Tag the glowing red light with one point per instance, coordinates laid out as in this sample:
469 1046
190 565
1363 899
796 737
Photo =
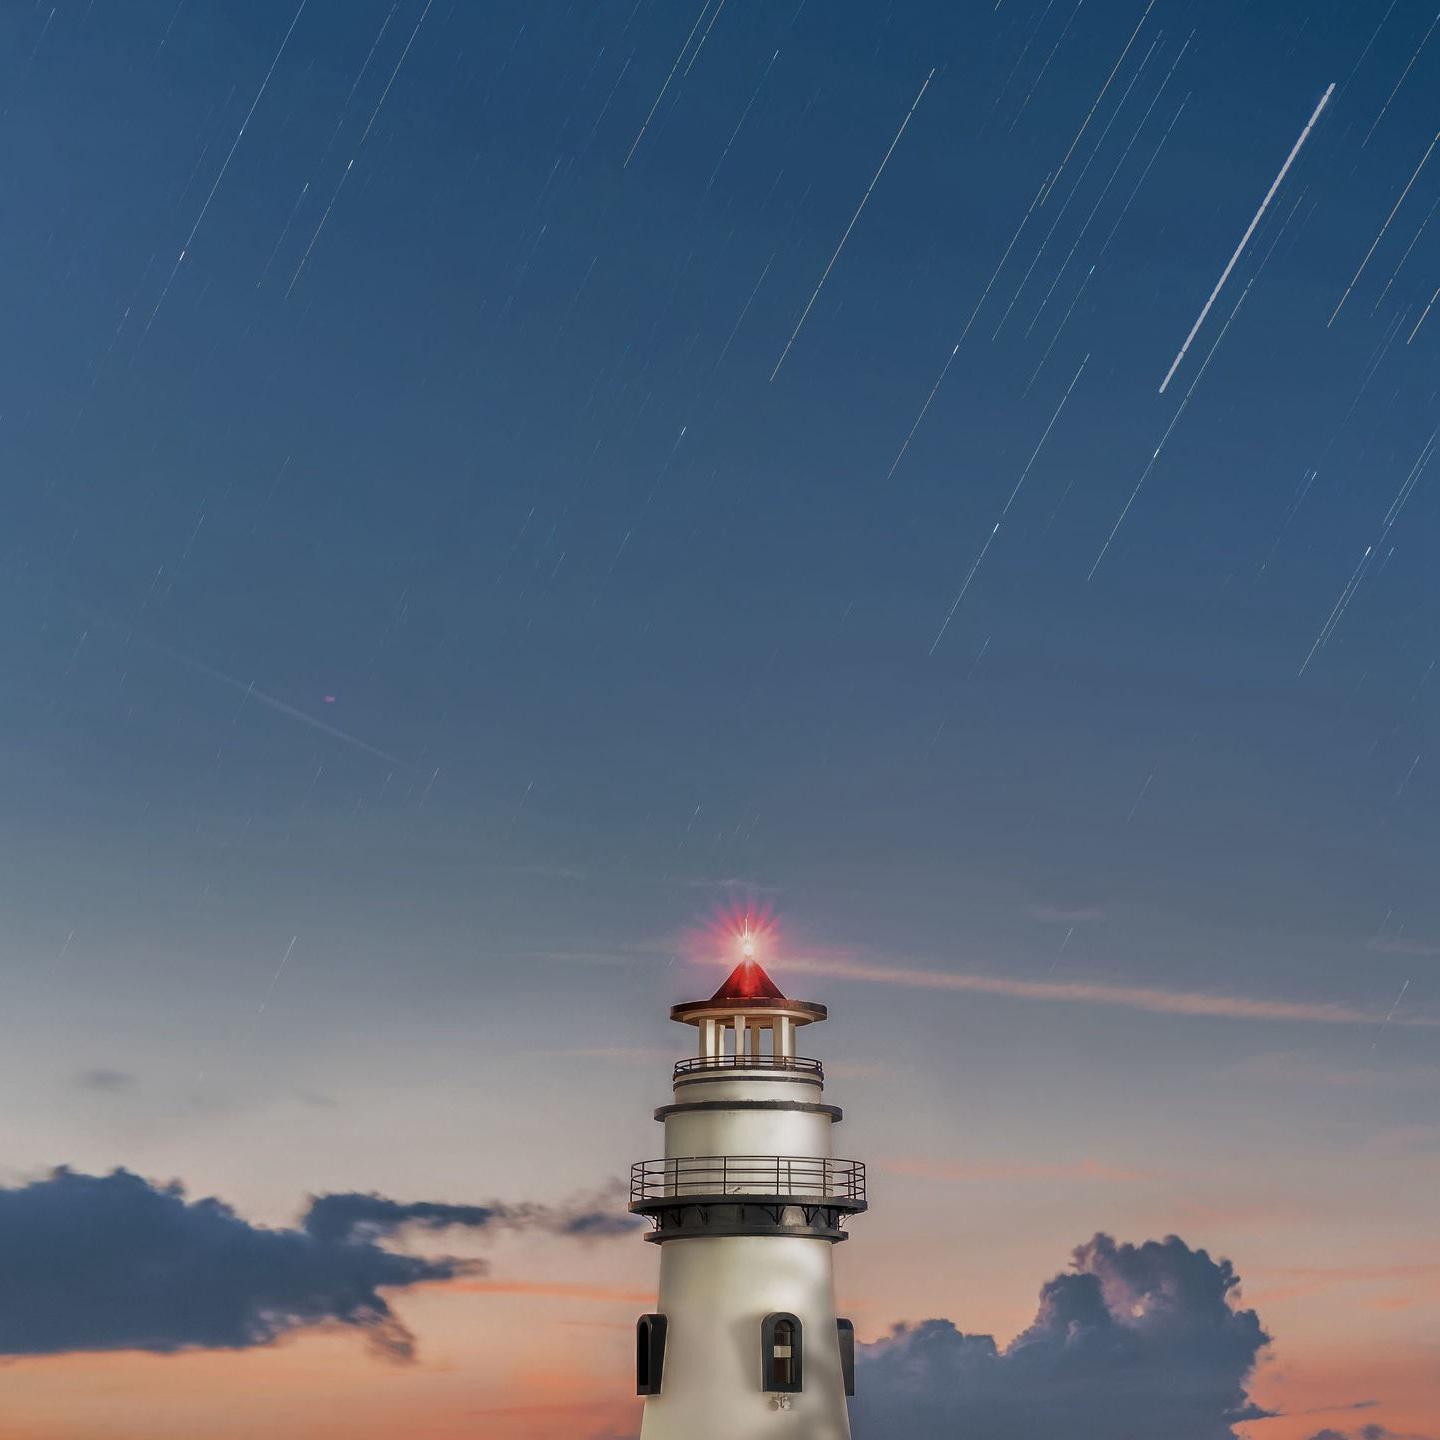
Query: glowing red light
736 932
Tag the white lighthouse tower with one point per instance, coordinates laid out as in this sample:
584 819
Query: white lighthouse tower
747 1207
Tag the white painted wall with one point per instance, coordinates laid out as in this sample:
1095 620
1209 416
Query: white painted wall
747 1132
715 1292
756 1085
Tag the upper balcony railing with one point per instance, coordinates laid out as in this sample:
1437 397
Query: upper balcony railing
791 1177
751 1062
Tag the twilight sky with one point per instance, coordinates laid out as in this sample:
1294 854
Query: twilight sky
478 504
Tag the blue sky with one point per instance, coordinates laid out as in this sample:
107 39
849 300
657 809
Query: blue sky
422 606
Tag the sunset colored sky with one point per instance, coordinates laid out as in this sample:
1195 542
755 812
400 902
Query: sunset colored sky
430 608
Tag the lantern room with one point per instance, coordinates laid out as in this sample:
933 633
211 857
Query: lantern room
748 1022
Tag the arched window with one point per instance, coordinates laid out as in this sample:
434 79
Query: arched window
649 1354
782 1354
847 1353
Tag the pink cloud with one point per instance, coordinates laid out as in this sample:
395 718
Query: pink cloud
1126 997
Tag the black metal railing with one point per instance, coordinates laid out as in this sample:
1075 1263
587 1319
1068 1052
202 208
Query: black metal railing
801 1177
751 1062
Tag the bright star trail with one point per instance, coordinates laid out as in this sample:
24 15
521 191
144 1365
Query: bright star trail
1249 231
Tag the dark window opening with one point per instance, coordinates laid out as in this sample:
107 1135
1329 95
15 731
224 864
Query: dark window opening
649 1354
847 1353
781 1348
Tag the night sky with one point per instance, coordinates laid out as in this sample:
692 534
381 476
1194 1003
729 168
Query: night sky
494 492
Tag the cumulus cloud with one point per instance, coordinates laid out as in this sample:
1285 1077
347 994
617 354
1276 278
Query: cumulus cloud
1134 1342
114 1262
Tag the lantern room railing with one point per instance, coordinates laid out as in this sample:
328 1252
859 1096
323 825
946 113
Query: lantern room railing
751 1062
792 1177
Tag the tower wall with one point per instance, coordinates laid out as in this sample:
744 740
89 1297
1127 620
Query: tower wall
715 1292
747 1132
747 1205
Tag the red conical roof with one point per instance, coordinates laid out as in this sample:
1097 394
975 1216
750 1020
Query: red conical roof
748 982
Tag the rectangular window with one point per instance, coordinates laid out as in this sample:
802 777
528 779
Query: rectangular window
847 1353
649 1354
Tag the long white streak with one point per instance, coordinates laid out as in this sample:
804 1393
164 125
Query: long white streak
869 190
1124 156
1407 487
1084 124
1249 231
696 55
1074 190
360 145
1005 509
1019 61
1360 59
355 84
1395 274
1381 234
740 123
1399 997
252 692
385 94
284 231
1040 73
744 311
1144 175
1064 320
1169 429
168 29
235 145
275 978
1340 605
950 359
1400 82
1430 305
636 145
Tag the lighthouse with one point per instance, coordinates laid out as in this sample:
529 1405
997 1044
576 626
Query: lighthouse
747 1206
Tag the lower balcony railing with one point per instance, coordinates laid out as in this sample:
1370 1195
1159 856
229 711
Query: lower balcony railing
750 1062
807 1178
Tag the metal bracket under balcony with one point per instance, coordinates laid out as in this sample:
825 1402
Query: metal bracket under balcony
698 1195
796 1065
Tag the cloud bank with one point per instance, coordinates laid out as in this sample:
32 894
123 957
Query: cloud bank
1132 1343
114 1262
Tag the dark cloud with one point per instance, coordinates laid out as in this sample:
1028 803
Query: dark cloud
114 1262
102 1079
599 1224
356 1216
364 1219
1134 1342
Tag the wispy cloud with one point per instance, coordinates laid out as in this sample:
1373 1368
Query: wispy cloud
1151 999
1068 914
554 1290
1400 945
1008 1170
105 1080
